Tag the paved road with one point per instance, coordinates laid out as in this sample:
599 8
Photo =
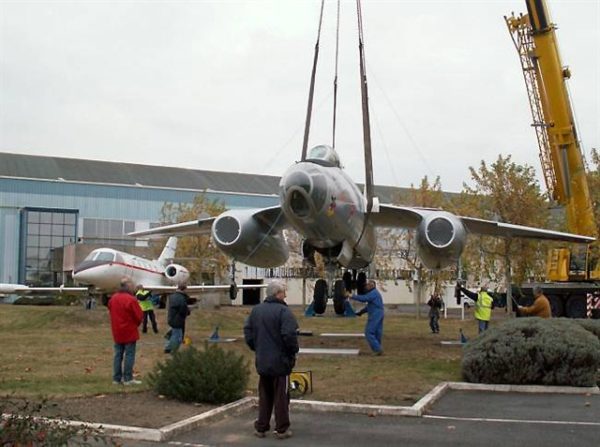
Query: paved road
460 418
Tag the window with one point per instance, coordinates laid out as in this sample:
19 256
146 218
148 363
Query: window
105 256
43 230
108 231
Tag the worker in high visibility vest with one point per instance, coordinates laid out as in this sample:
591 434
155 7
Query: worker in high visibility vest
145 299
484 304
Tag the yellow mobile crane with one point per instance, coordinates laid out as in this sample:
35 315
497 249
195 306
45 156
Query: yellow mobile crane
571 274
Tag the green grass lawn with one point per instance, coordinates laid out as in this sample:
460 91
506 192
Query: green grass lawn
67 351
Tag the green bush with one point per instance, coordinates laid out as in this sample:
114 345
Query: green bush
533 351
590 325
212 375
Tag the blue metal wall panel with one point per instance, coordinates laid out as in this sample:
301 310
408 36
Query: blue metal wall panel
92 201
111 202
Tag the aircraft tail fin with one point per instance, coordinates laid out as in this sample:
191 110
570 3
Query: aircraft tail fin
168 252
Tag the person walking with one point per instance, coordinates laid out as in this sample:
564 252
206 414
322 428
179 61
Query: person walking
484 304
125 317
435 304
177 313
271 332
374 326
145 299
540 307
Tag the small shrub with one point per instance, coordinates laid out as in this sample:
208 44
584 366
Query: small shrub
533 351
212 375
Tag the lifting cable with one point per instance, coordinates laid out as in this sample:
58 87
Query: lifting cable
366 124
335 78
311 91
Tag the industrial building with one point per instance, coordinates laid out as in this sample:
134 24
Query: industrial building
47 203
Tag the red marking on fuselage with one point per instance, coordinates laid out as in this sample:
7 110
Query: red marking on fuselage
135 267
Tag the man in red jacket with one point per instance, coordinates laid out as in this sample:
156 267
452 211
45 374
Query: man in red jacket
125 317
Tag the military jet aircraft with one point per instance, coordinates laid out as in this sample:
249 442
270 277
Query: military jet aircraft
322 203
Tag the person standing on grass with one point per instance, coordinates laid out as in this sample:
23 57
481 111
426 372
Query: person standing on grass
147 306
271 332
178 311
435 304
484 303
125 317
374 326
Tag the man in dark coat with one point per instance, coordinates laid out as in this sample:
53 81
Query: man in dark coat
271 331
178 311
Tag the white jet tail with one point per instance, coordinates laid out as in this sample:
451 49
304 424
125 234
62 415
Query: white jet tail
168 252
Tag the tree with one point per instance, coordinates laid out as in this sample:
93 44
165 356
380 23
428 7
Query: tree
198 254
594 185
507 192
393 241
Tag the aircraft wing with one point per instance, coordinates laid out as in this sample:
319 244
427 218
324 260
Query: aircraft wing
20 289
491 228
271 216
199 289
410 217
196 227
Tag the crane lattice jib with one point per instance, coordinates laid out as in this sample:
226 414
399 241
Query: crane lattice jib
560 151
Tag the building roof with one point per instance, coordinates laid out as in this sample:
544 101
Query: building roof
128 174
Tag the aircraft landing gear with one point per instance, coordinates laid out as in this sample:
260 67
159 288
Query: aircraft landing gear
341 305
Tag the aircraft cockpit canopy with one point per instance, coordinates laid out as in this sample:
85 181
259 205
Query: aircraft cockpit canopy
324 155
102 256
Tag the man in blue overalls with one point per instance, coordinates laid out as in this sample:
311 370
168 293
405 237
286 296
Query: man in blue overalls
374 327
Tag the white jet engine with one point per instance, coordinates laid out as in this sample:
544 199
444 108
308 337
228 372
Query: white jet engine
176 274
441 238
249 239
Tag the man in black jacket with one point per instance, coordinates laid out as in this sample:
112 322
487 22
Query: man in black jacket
177 313
271 331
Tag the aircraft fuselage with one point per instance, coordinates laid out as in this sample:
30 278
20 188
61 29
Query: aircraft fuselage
322 203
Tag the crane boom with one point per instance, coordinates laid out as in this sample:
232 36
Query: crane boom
560 151
562 159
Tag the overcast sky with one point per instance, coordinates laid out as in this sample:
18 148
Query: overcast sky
223 85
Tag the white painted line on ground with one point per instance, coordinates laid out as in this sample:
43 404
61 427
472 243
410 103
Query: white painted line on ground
543 389
221 340
327 351
451 343
510 421
187 444
340 334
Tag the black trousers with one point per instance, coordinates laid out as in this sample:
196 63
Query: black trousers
149 314
273 394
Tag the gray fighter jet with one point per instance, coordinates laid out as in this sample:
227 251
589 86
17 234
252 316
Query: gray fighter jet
322 203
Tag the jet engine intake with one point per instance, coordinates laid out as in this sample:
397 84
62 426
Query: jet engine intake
441 238
177 274
248 240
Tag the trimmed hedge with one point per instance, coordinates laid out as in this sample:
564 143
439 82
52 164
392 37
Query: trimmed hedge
212 375
534 351
592 326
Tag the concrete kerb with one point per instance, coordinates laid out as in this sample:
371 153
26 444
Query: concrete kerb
213 415
340 407
416 410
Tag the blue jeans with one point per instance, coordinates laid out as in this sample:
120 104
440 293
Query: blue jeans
483 325
175 340
123 370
